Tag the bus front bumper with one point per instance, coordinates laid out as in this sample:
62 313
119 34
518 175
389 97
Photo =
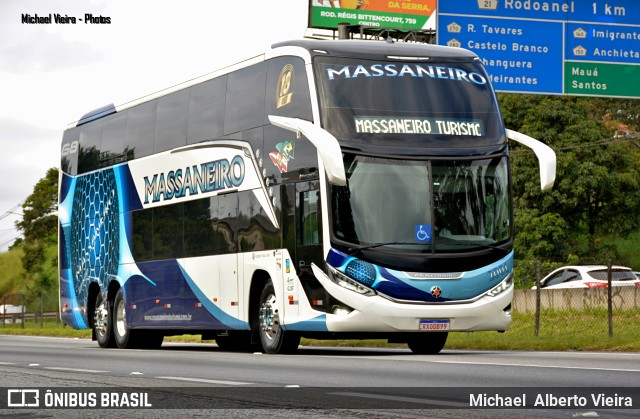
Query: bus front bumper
378 314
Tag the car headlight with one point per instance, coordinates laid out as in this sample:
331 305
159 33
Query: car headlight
346 282
501 287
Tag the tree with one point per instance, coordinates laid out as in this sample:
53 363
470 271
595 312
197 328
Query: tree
39 226
597 191
39 220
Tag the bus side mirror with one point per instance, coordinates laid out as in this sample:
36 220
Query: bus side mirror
326 144
545 154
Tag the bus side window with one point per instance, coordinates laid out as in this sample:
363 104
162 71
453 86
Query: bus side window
310 217
242 113
171 121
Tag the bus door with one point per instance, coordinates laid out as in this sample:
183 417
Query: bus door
308 237
228 286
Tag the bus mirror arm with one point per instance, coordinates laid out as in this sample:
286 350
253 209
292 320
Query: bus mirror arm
326 144
545 154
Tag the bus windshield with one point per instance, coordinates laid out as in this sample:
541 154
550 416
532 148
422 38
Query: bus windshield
411 103
422 205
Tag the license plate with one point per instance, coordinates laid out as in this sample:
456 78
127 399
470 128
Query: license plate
430 325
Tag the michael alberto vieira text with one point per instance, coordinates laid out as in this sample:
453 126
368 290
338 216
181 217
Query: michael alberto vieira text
550 400
66 19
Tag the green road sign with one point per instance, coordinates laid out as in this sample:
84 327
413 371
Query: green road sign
600 79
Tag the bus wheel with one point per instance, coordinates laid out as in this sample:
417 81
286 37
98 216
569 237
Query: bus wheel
427 343
273 338
102 324
123 336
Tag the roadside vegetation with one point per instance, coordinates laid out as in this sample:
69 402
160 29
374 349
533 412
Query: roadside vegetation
590 216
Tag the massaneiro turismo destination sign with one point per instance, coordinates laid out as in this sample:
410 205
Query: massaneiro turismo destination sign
400 14
579 47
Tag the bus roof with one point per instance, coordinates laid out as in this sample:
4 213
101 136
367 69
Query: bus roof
337 48
376 49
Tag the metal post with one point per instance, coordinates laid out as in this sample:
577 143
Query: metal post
41 310
537 298
22 308
609 298
343 31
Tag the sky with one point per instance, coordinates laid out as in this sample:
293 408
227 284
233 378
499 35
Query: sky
52 74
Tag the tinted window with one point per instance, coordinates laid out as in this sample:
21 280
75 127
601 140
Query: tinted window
310 218
287 157
168 231
403 101
69 151
226 226
89 150
245 99
200 217
142 235
112 150
171 121
255 229
570 276
554 280
616 275
141 128
288 89
206 110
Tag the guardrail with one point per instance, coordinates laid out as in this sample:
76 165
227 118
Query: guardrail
14 318
20 309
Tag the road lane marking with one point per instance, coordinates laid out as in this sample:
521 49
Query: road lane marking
73 369
401 399
7 363
202 380
498 364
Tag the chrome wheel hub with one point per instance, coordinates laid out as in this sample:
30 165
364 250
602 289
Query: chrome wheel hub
121 319
101 319
269 320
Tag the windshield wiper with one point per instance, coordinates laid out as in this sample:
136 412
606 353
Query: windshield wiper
468 245
353 249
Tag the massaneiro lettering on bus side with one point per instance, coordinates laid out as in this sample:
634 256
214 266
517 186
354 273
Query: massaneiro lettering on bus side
209 177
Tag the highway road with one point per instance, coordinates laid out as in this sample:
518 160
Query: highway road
338 382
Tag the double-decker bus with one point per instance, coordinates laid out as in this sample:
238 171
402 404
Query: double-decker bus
326 189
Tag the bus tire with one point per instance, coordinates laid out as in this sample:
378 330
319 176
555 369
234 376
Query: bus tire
273 338
124 336
102 323
429 343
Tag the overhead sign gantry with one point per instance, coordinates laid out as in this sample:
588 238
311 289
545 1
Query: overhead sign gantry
551 47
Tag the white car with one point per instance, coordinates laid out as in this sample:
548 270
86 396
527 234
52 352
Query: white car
594 276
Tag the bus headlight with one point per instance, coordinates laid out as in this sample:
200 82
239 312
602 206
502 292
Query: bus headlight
501 287
345 282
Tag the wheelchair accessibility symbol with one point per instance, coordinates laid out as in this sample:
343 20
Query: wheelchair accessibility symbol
423 233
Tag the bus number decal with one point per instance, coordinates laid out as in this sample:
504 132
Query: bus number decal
70 148
283 94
